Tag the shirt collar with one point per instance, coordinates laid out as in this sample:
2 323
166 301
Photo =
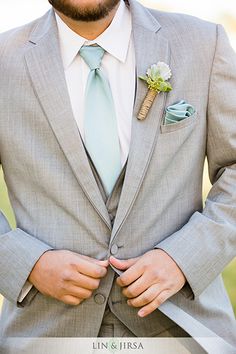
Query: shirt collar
115 39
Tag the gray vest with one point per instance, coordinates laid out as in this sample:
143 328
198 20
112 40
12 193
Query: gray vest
112 200
152 325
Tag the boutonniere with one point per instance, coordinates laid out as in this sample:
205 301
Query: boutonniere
156 79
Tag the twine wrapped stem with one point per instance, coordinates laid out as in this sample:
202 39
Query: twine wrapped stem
147 103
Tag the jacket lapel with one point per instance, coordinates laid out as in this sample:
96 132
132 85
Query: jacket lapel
45 68
150 47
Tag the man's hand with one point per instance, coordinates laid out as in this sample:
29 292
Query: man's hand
149 280
67 276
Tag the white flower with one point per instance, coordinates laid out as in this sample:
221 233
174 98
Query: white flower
156 79
160 69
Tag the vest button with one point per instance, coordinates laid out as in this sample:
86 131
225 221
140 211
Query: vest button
99 299
114 249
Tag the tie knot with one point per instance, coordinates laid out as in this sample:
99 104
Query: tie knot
92 55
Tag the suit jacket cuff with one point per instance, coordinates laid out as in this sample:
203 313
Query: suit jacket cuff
19 252
186 290
193 258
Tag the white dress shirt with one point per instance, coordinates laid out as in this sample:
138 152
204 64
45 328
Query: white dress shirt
118 64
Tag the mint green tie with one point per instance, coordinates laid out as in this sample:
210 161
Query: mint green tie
100 124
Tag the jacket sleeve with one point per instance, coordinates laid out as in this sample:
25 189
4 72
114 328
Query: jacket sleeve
19 251
207 242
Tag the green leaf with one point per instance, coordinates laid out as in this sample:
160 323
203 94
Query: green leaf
156 82
143 78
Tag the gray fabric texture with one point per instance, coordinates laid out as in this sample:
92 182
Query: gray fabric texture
58 203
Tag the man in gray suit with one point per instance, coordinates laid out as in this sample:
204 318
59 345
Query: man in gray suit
117 243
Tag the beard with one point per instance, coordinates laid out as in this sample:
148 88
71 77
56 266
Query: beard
78 12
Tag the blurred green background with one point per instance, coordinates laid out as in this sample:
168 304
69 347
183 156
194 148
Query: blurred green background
229 273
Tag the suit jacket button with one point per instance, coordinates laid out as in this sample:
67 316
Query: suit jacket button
114 249
99 299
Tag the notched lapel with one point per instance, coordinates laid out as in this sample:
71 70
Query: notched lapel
150 47
43 60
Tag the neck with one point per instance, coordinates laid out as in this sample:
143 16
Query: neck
89 30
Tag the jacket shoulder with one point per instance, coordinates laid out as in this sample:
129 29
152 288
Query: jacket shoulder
13 39
185 26
189 36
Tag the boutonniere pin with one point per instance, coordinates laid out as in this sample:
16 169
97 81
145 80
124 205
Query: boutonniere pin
156 79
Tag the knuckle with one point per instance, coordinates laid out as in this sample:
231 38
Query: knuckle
85 294
66 274
55 291
62 298
146 298
73 265
160 300
61 284
75 302
125 293
162 276
89 293
133 303
71 301
145 265
96 283
99 272
155 273
129 293
63 287
158 303
171 284
104 271
152 306
59 296
122 281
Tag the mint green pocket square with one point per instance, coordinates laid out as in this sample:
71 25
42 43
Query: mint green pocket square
178 111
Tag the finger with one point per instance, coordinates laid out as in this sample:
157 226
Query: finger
153 305
79 292
103 263
146 297
122 263
91 269
84 281
130 275
138 286
71 300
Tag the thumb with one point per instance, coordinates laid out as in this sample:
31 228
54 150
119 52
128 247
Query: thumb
122 263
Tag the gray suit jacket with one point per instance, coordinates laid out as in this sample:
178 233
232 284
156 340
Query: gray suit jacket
56 199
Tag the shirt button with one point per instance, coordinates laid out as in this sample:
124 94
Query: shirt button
114 249
99 299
